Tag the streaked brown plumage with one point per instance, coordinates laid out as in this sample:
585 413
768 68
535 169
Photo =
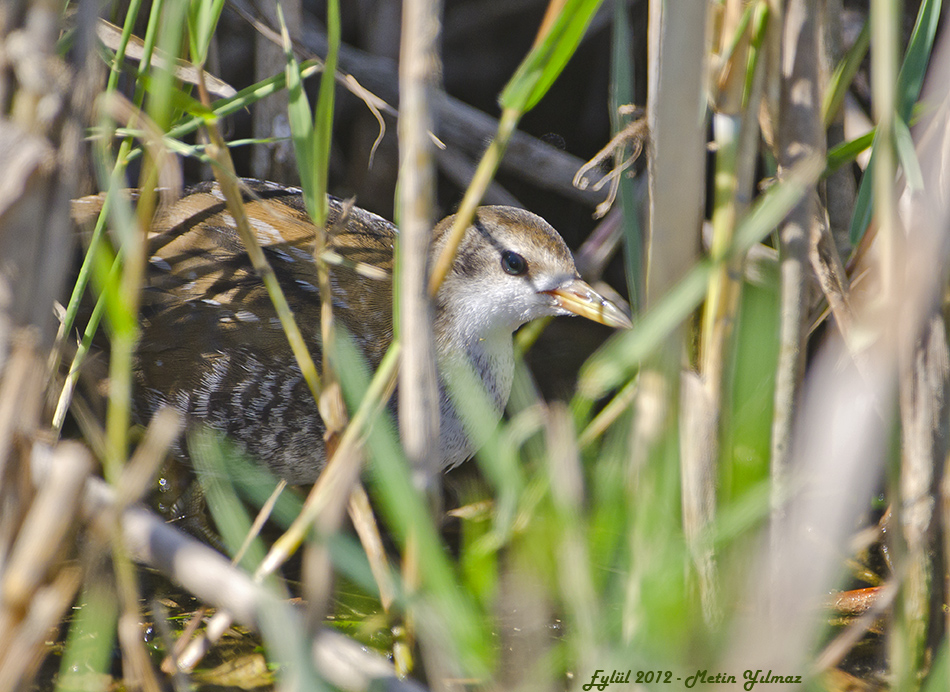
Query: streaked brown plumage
212 345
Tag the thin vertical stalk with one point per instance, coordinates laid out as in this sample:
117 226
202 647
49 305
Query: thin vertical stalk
924 368
418 389
115 69
330 404
799 136
737 134
885 20
622 93
676 113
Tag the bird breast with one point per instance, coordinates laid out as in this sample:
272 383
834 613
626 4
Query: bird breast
474 385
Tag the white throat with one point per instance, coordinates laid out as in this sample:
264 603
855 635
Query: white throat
479 376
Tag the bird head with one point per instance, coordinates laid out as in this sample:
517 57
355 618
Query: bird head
513 267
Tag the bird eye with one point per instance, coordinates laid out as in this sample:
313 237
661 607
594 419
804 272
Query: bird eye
513 263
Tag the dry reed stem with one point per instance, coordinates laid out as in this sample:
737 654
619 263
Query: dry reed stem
799 136
418 394
210 577
676 168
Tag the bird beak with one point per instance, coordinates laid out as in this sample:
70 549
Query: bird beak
578 297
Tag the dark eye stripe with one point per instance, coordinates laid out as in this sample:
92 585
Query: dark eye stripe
513 263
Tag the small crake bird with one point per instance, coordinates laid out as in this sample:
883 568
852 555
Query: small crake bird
212 346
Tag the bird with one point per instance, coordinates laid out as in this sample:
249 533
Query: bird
211 345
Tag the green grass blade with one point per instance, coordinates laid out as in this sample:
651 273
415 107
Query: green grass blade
323 123
163 82
940 671
406 512
547 59
301 118
202 20
844 74
127 28
909 83
221 109
621 93
210 452
311 132
911 77
89 647
847 152
907 156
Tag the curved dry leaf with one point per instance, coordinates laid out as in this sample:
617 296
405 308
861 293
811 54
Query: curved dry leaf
111 37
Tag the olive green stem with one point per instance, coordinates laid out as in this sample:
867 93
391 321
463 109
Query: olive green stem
227 179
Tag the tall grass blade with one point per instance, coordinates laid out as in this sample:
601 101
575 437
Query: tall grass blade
547 59
301 121
844 74
441 605
210 453
323 122
203 18
622 93
910 79
89 646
